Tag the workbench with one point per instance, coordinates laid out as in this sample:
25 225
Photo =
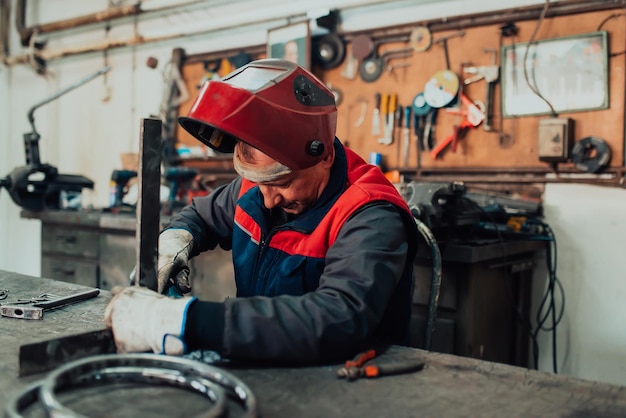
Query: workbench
484 283
448 385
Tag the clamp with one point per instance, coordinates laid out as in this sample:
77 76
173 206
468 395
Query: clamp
356 368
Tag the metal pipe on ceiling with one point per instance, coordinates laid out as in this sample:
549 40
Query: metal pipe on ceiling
5 16
26 33
112 13
448 23
113 44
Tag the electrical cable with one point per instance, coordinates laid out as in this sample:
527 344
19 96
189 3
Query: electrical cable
435 285
609 17
606 19
530 42
551 259
551 312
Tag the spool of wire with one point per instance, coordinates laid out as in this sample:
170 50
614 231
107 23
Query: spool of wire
591 154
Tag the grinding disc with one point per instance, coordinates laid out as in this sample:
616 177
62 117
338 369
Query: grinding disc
419 105
371 69
362 46
441 89
420 39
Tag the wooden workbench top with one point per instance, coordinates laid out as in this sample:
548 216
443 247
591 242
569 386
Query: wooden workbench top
448 386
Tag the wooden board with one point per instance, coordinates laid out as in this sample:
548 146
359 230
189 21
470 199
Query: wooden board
479 148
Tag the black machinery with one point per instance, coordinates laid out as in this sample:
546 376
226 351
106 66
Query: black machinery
38 186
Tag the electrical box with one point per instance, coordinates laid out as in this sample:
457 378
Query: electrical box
555 139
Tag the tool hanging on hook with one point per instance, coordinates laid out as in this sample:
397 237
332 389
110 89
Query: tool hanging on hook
406 138
444 42
376 115
490 73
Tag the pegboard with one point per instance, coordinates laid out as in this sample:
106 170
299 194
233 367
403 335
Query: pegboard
478 148
512 144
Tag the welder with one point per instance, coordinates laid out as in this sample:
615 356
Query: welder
322 243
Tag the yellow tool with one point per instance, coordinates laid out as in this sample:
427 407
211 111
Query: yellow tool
389 114
384 109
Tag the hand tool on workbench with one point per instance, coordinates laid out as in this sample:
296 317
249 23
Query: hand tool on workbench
43 303
356 368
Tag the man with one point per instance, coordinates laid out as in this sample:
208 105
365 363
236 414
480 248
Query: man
322 243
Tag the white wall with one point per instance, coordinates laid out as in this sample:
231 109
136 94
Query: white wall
84 134
588 222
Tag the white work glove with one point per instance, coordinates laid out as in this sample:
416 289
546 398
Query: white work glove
143 320
172 270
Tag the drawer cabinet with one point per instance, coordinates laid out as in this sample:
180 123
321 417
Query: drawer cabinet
117 258
68 269
69 254
68 240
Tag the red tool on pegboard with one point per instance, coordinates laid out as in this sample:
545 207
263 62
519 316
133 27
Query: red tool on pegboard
473 116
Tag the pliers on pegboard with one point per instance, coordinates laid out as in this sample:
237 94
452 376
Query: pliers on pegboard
357 368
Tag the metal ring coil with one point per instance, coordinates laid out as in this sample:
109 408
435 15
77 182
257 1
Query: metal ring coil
209 381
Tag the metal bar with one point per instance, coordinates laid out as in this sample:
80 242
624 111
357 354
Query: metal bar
148 204
612 176
46 355
67 300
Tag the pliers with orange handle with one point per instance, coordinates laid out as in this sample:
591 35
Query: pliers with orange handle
356 368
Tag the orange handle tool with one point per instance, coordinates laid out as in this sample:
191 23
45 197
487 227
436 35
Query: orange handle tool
361 359
392 369
450 139
353 367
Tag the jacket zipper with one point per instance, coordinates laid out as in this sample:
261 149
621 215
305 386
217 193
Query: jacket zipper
262 248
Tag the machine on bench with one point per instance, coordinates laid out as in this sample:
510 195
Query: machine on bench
38 186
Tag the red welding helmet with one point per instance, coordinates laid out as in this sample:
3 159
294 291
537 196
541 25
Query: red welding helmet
274 105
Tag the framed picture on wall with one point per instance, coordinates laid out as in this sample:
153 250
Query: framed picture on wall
291 42
571 73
